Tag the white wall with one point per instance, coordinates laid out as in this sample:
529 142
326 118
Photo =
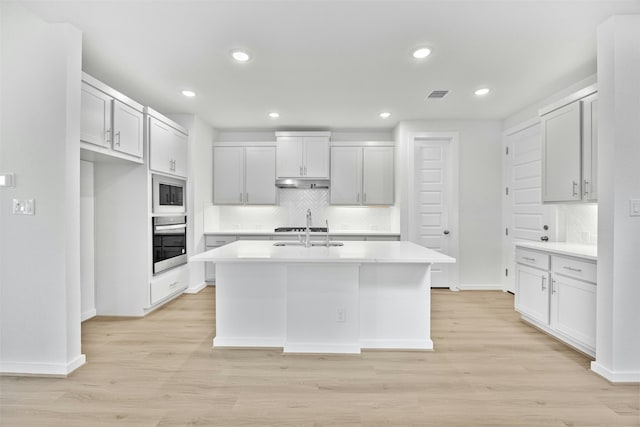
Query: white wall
199 189
40 254
479 256
618 290
87 270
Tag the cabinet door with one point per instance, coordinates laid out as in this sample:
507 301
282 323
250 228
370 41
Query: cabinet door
228 175
260 175
316 157
346 176
573 309
127 129
179 152
160 158
590 148
532 293
289 157
95 117
561 178
378 176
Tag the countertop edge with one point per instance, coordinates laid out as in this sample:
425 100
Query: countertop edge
289 233
589 252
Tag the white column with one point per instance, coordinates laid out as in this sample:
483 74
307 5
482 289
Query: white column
618 291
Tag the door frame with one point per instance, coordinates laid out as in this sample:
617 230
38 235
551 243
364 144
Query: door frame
413 141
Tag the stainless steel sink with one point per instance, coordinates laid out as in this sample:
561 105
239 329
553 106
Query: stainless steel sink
294 243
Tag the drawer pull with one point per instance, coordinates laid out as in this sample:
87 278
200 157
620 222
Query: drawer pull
171 285
529 259
577 270
543 282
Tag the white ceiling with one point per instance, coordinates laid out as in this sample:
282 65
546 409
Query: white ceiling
336 64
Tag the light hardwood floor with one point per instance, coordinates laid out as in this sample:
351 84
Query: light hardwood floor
488 369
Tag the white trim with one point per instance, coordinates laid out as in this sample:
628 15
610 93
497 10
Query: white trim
195 289
314 347
576 96
164 119
392 344
244 143
102 87
521 126
42 369
362 144
88 314
453 138
248 342
616 377
303 133
480 287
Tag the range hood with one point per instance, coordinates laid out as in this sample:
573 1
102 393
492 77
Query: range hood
302 183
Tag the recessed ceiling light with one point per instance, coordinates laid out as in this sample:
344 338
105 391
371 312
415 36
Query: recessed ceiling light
483 91
188 93
240 56
421 53
274 115
385 114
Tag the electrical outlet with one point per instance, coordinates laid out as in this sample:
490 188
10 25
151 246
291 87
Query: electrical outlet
24 207
341 315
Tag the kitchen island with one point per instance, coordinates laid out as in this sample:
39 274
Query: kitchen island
323 299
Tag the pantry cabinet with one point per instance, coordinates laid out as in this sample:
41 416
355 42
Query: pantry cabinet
569 148
362 175
167 145
302 155
557 293
110 122
244 175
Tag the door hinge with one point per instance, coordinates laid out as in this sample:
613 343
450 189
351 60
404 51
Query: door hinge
506 191
506 231
506 150
506 272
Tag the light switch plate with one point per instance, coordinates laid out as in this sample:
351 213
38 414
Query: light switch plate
24 207
634 207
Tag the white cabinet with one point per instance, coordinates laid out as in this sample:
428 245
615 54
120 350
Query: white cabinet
167 145
569 149
110 121
362 176
244 175
558 294
212 242
302 154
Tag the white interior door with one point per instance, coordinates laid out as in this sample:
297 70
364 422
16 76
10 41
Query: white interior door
435 205
525 215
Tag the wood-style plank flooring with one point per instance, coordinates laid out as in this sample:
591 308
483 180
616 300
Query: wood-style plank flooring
488 369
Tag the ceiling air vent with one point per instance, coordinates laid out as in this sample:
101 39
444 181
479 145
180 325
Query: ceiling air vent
437 94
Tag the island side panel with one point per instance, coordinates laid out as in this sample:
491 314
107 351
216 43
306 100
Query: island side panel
322 308
250 305
395 306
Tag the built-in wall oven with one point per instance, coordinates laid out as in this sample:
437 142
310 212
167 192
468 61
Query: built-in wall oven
169 242
168 195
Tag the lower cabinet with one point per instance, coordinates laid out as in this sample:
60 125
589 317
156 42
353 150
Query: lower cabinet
557 293
212 242
168 284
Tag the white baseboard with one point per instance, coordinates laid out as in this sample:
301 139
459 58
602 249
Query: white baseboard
321 348
42 369
479 287
391 344
248 342
88 314
195 289
615 377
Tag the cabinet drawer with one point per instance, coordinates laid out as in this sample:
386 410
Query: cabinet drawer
168 284
579 269
532 258
215 241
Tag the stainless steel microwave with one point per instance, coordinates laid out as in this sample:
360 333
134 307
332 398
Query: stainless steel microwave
169 195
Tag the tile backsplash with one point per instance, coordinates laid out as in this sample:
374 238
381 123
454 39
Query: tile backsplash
292 209
581 223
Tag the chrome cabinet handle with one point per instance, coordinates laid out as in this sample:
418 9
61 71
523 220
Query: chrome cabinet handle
577 270
575 189
528 259
240 197
301 171
542 284
107 135
586 191
118 137
553 286
246 197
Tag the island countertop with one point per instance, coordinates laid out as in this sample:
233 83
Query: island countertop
351 252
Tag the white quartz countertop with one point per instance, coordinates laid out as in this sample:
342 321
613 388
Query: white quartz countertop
332 232
352 251
562 248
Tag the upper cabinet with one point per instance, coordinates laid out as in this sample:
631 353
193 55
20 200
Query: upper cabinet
244 175
569 149
362 175
302 154
110 123
167 145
